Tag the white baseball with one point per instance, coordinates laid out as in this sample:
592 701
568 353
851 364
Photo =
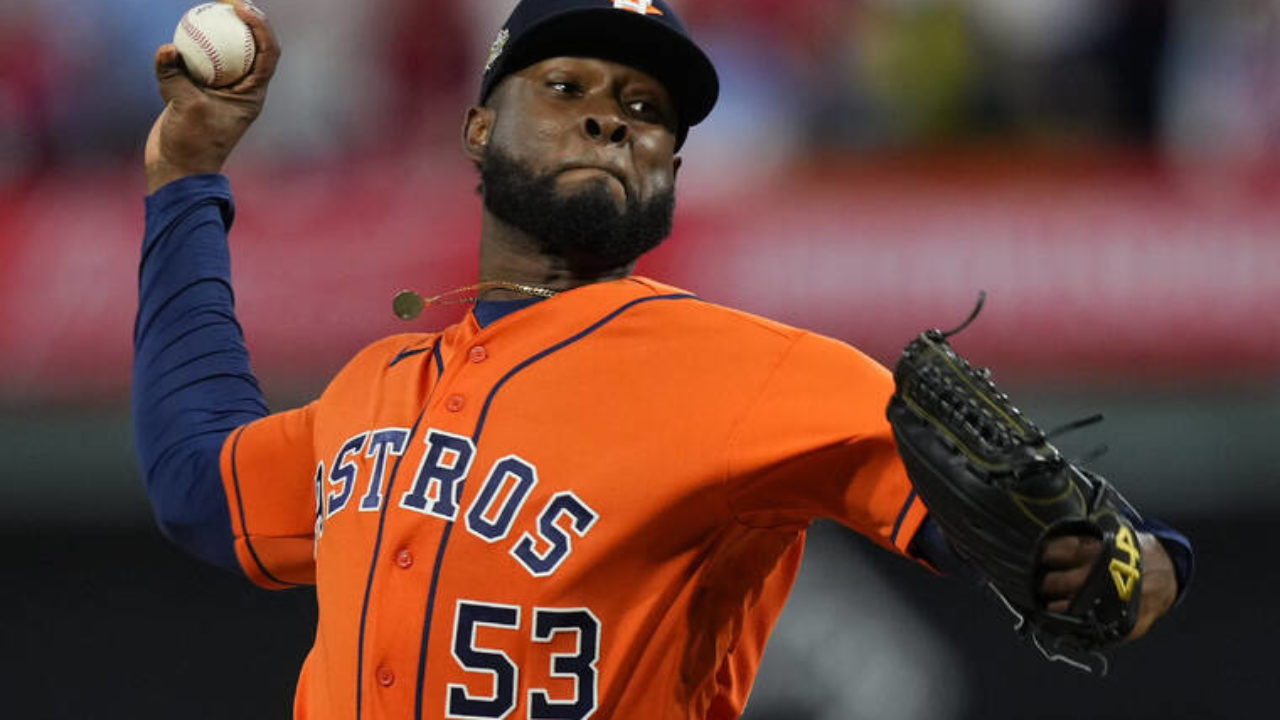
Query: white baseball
216 45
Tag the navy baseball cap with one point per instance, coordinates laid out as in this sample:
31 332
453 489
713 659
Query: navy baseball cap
644 34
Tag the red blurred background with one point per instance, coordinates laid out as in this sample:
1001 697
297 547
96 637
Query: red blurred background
1103 266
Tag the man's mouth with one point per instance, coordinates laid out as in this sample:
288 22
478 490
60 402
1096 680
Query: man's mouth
587 170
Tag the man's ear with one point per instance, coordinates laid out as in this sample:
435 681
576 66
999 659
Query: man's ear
476 129
676 162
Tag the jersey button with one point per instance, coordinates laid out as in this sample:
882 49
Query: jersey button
479 354
404 559
455 403
386 678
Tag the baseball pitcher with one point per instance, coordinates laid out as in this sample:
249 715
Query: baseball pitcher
588 497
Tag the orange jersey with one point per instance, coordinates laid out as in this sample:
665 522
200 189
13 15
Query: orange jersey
593 507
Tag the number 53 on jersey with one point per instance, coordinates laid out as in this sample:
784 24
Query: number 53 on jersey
576 691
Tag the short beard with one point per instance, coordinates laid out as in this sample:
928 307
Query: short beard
585 228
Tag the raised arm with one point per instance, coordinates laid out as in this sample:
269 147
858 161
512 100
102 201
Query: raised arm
192 384
200 126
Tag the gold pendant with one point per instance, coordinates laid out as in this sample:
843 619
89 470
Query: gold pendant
407 305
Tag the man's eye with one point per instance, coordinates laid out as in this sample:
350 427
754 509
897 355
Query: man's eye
645 109
563 86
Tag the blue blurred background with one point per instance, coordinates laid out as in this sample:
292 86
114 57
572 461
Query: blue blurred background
1106 169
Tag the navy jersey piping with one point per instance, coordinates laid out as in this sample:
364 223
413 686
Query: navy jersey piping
484 413
406 354
382 518
475 439
431 607
235 480
902 515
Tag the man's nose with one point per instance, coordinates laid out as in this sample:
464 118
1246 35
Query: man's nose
605 127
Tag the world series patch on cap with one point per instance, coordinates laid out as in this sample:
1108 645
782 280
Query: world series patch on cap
645 34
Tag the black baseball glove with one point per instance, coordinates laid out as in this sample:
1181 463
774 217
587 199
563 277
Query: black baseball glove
999 492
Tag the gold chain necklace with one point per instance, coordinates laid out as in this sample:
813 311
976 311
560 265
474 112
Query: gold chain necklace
408 304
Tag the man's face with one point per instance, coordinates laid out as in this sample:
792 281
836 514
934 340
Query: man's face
581 155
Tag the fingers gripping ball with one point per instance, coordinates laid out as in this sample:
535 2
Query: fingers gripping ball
216 45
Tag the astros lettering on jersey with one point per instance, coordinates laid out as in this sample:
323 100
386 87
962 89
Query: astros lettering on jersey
594 507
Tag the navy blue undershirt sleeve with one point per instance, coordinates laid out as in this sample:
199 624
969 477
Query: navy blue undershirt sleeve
192 384
1180 552
932 547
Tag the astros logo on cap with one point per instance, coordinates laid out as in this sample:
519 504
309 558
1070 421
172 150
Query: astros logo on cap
644 7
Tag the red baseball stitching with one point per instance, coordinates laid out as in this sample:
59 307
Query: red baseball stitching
205 44
249 48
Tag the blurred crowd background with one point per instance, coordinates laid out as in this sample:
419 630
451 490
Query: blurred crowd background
1106 169
804 77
